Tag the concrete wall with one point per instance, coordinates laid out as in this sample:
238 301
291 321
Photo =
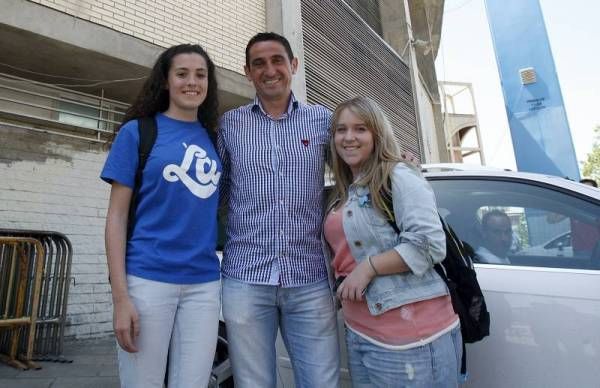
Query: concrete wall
51 183
284 17
426 21
223 27
419 20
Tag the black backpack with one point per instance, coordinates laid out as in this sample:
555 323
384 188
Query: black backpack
147 131
458 273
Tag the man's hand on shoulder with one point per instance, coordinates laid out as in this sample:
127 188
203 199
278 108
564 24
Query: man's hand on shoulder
409 157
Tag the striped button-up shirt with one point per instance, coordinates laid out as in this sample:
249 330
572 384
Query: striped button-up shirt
272 183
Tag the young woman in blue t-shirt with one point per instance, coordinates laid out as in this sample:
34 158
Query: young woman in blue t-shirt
165 276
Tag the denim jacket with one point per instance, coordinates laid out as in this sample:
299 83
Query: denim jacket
421 242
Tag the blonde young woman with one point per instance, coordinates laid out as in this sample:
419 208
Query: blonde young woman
401 329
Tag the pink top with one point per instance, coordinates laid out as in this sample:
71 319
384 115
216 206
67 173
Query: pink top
408 324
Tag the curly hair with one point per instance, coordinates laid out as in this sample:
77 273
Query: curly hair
154 97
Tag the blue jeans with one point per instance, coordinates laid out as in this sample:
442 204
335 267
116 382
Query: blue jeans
435 365
307 319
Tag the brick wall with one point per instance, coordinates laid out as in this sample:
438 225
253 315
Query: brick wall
222 27
51 183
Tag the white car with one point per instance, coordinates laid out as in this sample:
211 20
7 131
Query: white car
545 308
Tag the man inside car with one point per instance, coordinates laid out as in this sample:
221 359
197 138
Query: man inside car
497 234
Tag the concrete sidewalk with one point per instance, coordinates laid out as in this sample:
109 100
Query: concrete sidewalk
94 366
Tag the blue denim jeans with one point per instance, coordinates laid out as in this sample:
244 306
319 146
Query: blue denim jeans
307 319
435 365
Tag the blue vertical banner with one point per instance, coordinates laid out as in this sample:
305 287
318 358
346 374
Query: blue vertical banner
536 114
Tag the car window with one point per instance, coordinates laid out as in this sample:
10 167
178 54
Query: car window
517 223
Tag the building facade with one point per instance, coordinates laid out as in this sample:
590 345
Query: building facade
69 69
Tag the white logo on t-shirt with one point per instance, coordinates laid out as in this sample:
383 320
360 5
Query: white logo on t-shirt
206 172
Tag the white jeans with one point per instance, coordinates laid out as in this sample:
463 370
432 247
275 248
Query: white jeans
180 320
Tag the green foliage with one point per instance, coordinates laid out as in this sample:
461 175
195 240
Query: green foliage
591 167
523 231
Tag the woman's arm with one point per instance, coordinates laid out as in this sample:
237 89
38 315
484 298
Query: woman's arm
422 239
422 243
386 263
125 317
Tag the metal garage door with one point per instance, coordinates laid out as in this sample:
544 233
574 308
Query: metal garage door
345 58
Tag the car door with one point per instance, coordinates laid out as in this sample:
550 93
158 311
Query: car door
544 302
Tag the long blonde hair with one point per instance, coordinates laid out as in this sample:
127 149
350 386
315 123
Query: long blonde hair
376 170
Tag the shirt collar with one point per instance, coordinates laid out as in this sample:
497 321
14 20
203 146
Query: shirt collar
292 105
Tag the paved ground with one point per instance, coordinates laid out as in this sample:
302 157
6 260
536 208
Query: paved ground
94 366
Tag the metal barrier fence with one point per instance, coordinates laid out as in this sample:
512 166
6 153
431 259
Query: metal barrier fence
53 295
21 267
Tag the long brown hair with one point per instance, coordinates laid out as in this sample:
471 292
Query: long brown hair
154 97
376 170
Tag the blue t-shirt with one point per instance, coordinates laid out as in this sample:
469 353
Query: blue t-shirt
175 234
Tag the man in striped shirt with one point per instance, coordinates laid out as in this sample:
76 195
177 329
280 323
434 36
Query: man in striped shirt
274 271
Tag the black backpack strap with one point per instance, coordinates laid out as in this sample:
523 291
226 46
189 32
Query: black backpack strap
147 131
212 135
388 201
463 361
